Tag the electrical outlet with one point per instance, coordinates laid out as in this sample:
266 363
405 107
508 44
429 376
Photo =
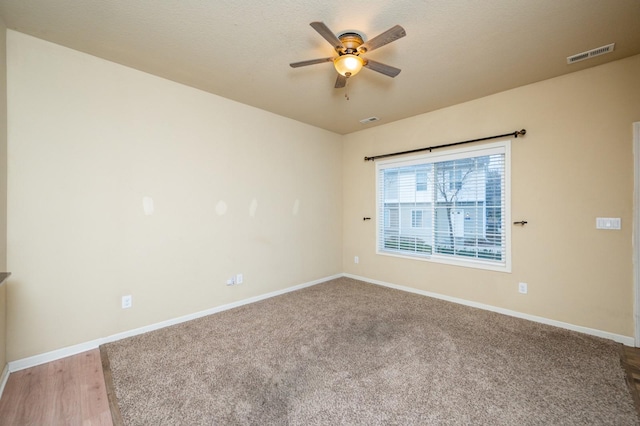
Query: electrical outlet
356 260
239 279
127 302
522 288
231 281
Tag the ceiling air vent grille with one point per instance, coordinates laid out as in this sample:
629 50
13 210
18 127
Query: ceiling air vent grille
369 120
590 53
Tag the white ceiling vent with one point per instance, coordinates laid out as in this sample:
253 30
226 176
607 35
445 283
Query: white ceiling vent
369 120
590 53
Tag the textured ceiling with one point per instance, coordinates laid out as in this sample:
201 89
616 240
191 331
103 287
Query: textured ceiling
454 50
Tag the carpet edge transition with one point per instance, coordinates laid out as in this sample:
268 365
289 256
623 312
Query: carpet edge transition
116 416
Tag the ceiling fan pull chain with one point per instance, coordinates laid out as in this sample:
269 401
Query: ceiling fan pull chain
346 88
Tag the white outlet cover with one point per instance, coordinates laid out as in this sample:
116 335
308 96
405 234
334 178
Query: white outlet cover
522 288
127 302
239 279
147 206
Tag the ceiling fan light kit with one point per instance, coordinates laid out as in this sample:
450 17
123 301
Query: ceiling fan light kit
348 65
350 47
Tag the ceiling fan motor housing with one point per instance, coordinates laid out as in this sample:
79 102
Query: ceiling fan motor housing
351 41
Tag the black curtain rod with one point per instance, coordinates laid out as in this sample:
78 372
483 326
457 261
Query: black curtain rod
430 148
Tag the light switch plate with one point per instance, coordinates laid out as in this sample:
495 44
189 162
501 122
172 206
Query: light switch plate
608 223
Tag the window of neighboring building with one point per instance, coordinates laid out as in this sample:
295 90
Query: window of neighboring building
391 185
449 207
417 219
421 180
391 218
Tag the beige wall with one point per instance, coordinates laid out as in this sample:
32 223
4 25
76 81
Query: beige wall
88 139
575 164
3 191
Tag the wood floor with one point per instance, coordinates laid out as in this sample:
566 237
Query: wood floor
71 391
631 363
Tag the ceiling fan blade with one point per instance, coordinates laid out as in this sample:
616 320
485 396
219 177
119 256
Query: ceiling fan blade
341 81
328 35
382 68
310 62
392 34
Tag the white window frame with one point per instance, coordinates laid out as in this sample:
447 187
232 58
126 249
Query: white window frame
503 147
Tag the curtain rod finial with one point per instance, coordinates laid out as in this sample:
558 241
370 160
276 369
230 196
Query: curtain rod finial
521 133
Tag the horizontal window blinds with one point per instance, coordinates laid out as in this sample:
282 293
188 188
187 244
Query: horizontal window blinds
450 206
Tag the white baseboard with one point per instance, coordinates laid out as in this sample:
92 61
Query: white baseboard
217 309
626 340
93 344
35 360
32 361
3 378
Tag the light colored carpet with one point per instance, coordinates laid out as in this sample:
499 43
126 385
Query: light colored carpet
348 352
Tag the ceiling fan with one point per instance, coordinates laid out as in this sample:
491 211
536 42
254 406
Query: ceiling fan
350 47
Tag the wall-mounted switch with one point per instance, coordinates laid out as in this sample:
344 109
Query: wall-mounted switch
608 223
239 279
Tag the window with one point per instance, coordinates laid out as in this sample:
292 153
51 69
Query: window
450 207
391 185
421 180
417 218
391 218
